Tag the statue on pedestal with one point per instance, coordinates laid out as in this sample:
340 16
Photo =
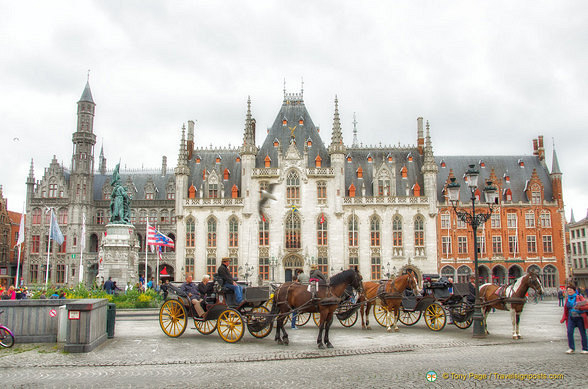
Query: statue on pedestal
120 208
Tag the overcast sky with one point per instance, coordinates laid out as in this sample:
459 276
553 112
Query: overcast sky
489 76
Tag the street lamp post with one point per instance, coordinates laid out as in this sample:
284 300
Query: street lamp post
474 220
388 274
273 264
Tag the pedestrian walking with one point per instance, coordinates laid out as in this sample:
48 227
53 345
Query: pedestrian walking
560 297
575 318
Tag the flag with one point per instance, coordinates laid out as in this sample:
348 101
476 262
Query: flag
159 253
156 238
21 232
164 271
83 237
293 208
322 218
55 232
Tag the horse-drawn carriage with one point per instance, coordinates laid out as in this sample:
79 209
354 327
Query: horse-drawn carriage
222 313
435 302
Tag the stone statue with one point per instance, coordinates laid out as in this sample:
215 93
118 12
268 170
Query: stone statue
120 201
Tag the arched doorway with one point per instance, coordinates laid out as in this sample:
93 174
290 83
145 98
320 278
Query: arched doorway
291 263
448 272
410 268
93 243
166 272
484 274
498 275
463 274
514 272
550 279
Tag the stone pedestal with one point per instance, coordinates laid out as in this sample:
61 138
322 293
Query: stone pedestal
120 256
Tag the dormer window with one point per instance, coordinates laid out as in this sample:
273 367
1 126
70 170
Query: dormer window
238 159
234 192
409 157
482 164
192 192
389 158
521 163
204 175
352 190
508 194
267 161
276 142
369 158
477 195
284 122
309 142
218 159
443 164
506 178
226 174
318 161
349 158
359 172
301 121
197 159
404 172
416 189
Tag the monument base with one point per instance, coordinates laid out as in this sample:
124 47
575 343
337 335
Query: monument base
120 256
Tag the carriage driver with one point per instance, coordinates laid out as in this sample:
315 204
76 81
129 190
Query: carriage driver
191 290
228 281
316 276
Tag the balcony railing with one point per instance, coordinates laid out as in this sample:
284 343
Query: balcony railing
207 202
385 200
266 172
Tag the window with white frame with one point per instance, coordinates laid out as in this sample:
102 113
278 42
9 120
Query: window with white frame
547 244
445 221
530 219
446 245
497 244
462 244
513 244
495 220
511 220
545 220
531 244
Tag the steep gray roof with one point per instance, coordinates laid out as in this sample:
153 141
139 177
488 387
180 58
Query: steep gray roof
139 180
87 94
293 111
502 165
359 157
208 162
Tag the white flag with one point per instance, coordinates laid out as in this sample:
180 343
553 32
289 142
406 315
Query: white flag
21 234
83 237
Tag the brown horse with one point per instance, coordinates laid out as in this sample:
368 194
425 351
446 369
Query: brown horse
492 297
390 294
292 295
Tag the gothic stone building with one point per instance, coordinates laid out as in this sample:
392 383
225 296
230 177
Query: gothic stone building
336 207
84 190
526 229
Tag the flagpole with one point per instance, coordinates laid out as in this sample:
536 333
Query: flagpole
18 265
82 247
48 248
157 268
146 235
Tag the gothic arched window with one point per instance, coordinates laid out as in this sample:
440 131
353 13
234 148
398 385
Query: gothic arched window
293 188
190 233
419 231
264 232
293 232
211 237
353 231
397 231
321 230
233 232
375 231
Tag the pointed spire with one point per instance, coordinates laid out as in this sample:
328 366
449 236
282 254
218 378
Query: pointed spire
183 155
87 94
572 218
429 164
32 171
249 134
336 135
555 164
355 141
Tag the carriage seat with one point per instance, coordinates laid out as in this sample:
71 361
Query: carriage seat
219 287
409 300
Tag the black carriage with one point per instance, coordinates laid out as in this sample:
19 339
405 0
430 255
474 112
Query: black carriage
432 305
222 313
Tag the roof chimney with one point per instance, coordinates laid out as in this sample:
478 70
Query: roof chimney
535 150
163 165
541 149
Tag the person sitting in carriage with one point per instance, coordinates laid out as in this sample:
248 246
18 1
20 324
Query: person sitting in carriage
316 277
228 281
193 294
206 286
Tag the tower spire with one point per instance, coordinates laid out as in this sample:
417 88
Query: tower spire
183 154
555 163
31 176
249 133
355 141
336 135
429 164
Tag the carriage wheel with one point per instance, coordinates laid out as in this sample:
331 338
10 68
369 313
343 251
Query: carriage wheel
316 318
463 324
205 327
265 331
409 318
172 318
350 321
268 303
302 318
230 326
435 317
381 315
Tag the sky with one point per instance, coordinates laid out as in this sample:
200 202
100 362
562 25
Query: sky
488 76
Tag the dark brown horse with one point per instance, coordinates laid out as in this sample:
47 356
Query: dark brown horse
492 297
292 295
390 295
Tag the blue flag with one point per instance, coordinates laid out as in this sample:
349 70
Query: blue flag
55 232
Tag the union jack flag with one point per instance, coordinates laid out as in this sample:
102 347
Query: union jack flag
156 238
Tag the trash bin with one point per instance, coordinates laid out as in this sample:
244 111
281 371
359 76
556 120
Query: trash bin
110 319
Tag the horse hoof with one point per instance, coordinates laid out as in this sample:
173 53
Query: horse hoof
396 329
389 329
368 328
286 342
279 341
321 346
329 345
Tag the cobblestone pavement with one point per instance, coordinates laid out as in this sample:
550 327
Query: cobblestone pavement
140 355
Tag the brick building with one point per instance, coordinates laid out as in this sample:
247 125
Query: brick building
526 229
